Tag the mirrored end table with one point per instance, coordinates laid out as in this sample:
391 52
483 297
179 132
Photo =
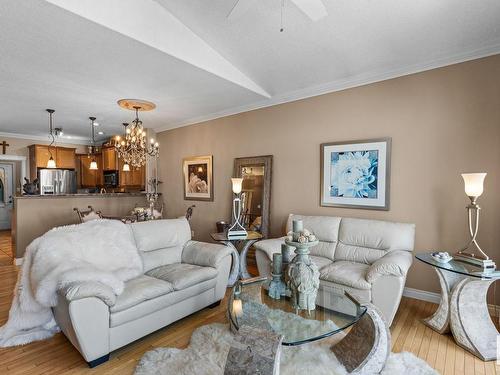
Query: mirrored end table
463 308
240 249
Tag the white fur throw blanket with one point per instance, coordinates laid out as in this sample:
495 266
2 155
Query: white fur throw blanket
99 250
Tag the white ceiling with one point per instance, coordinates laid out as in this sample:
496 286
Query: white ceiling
80 57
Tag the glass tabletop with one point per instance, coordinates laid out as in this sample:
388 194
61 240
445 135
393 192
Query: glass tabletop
458 266
250 305
251 235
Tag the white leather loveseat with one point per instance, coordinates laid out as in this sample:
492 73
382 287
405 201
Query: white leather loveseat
367 258
180 277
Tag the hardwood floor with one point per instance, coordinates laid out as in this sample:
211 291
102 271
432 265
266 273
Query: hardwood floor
57 355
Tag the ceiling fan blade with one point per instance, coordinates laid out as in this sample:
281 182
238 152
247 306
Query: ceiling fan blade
240 7
314 9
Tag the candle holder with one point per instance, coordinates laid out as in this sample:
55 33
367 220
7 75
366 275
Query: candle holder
277 287
303 273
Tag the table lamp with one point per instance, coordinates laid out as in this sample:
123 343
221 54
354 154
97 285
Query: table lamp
474 188
237 231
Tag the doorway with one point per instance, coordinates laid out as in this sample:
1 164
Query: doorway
6 195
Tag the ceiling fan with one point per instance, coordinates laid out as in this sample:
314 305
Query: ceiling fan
314 9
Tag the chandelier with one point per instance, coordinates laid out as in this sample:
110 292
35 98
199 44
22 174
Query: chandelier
133 147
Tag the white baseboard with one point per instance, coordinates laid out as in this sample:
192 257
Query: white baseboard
424 295
18 261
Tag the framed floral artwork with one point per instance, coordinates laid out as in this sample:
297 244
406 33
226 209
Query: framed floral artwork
198 178
356 174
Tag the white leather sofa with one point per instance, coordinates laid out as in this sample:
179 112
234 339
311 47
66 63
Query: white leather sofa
180 277
368 259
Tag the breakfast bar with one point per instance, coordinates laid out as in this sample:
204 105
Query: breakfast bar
34 215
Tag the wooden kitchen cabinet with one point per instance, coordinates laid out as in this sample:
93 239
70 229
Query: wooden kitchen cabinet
90 178
109 159
65 158
135 178
39 156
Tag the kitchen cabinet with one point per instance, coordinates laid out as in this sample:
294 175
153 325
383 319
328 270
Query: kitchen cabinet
65 158
39 156
135 178
109 159
90 178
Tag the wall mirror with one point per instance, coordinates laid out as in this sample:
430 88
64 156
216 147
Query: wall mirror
256 192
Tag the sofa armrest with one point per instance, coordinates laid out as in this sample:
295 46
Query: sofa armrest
394 263
270 246
85 289
204 254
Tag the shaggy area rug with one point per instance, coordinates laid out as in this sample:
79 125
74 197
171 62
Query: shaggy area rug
207 353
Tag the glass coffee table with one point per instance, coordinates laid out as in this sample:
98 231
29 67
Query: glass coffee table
463 308
275 323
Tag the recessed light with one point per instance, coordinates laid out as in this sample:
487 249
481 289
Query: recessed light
100 133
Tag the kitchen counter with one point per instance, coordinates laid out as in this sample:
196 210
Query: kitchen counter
34 215
82 195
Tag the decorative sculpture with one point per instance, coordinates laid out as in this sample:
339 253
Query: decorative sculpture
30 188
303 273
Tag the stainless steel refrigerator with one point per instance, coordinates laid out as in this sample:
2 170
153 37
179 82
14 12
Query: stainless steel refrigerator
57 181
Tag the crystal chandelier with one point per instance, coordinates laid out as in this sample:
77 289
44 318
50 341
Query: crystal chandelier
133 147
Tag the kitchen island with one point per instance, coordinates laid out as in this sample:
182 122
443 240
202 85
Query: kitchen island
34 215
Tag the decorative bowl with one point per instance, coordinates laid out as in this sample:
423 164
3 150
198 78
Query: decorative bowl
441 257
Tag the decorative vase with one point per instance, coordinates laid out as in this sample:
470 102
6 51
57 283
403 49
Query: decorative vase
303 277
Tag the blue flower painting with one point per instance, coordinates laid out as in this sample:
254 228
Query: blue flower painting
354 174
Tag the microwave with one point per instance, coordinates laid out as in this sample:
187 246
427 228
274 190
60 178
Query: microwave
111 178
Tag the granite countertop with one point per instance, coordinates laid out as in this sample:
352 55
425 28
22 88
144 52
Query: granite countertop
81 195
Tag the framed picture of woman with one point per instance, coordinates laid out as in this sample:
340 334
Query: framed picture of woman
198 178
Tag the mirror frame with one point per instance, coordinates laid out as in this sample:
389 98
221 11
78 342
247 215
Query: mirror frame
265 161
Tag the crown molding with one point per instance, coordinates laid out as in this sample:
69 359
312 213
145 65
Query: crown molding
64 140
343 84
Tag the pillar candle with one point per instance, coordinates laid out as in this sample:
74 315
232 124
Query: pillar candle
298 226
237 308
286 253
277 263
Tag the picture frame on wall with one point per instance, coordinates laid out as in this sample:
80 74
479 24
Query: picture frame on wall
198 178
356 174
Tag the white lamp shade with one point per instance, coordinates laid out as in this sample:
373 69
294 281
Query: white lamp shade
126 167
237 184
473 183
93 165
51 163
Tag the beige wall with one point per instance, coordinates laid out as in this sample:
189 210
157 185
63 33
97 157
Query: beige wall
19 146
442 123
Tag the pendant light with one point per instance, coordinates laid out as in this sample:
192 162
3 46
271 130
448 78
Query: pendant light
126 167
92 149
51 163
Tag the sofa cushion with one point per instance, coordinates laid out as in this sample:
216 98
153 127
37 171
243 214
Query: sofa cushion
321 262
346 273
183 275
365 241
325 228
148 307
327 287
140 289
160 242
